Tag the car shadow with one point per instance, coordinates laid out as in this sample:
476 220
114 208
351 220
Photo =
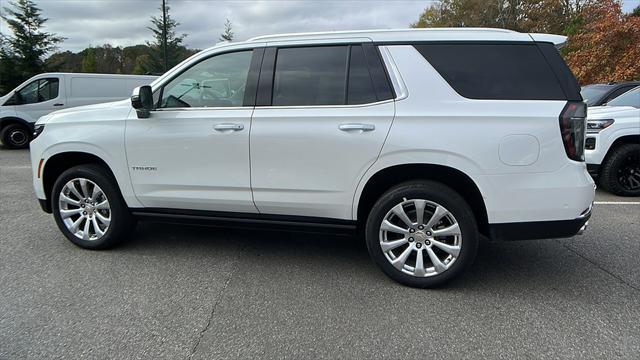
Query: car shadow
523 265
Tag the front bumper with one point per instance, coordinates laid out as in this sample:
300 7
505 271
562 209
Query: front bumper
45 205
540 229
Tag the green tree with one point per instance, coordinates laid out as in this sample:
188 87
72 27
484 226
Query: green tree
28 44
228 34
8 76
154 64
89 61
636 11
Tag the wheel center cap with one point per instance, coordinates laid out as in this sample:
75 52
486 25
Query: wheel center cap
420 236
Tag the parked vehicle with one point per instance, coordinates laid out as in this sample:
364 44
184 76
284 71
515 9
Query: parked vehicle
613 144
47 92
424 139
601 94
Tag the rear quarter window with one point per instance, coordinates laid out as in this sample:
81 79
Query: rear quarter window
494 71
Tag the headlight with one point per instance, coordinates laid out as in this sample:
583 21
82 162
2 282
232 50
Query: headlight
37 130
595 126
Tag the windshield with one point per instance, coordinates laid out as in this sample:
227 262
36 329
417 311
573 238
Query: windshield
630 98
593 93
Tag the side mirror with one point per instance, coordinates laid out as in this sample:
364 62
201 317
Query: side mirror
142 101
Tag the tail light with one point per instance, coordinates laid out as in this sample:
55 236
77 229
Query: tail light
572 129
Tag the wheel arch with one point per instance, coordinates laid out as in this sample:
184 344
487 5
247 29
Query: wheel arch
60 162
625 139
15 120
620 140
390 176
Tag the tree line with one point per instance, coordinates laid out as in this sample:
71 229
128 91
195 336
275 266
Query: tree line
603 42
27 51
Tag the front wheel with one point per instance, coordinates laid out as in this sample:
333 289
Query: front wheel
621 172
15 136
422 234
89 209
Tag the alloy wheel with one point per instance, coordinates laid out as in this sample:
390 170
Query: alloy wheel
420 237
629 173
84 209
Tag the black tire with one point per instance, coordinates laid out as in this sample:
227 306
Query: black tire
437 193
122 222
623 162
15 136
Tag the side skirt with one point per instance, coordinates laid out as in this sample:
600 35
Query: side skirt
247 220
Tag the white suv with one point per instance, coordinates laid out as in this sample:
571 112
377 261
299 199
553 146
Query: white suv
424 139
613 144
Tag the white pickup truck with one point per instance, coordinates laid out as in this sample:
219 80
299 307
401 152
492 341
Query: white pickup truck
47 92
612 147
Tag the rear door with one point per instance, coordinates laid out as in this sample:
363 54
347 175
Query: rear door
322 117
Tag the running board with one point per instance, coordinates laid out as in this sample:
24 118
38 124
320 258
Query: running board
246 220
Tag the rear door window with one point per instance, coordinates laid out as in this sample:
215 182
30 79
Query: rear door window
310 76
323 75
360 86
494 71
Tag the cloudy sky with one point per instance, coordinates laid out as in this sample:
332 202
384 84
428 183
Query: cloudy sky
123 22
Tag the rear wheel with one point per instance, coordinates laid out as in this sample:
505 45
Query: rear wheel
621 171
422 234
89 209
15 136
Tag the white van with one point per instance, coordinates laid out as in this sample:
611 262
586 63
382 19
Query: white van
47 92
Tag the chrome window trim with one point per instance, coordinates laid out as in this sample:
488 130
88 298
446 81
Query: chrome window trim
394 74
276 107
345 106
204 108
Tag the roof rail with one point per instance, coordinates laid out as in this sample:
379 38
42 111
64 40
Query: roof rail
361 32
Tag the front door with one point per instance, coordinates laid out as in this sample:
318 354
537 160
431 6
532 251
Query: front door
39 98
193 151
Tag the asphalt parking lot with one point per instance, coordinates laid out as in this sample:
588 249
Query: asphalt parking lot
180 292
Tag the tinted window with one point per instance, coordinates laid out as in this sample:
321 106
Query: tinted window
617 92
593 94
495 71
310 76
630 98
48 89
38 91
361 89
218 81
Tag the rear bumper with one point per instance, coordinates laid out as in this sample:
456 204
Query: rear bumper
540 229
593 169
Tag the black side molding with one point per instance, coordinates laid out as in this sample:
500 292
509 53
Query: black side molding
538 229
245 220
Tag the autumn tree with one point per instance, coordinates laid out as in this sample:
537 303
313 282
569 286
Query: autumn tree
228 34
608 45
550 16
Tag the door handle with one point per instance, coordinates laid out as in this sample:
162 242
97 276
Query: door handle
357 127
58 104
226 126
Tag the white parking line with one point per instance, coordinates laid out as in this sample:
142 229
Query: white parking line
617 202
